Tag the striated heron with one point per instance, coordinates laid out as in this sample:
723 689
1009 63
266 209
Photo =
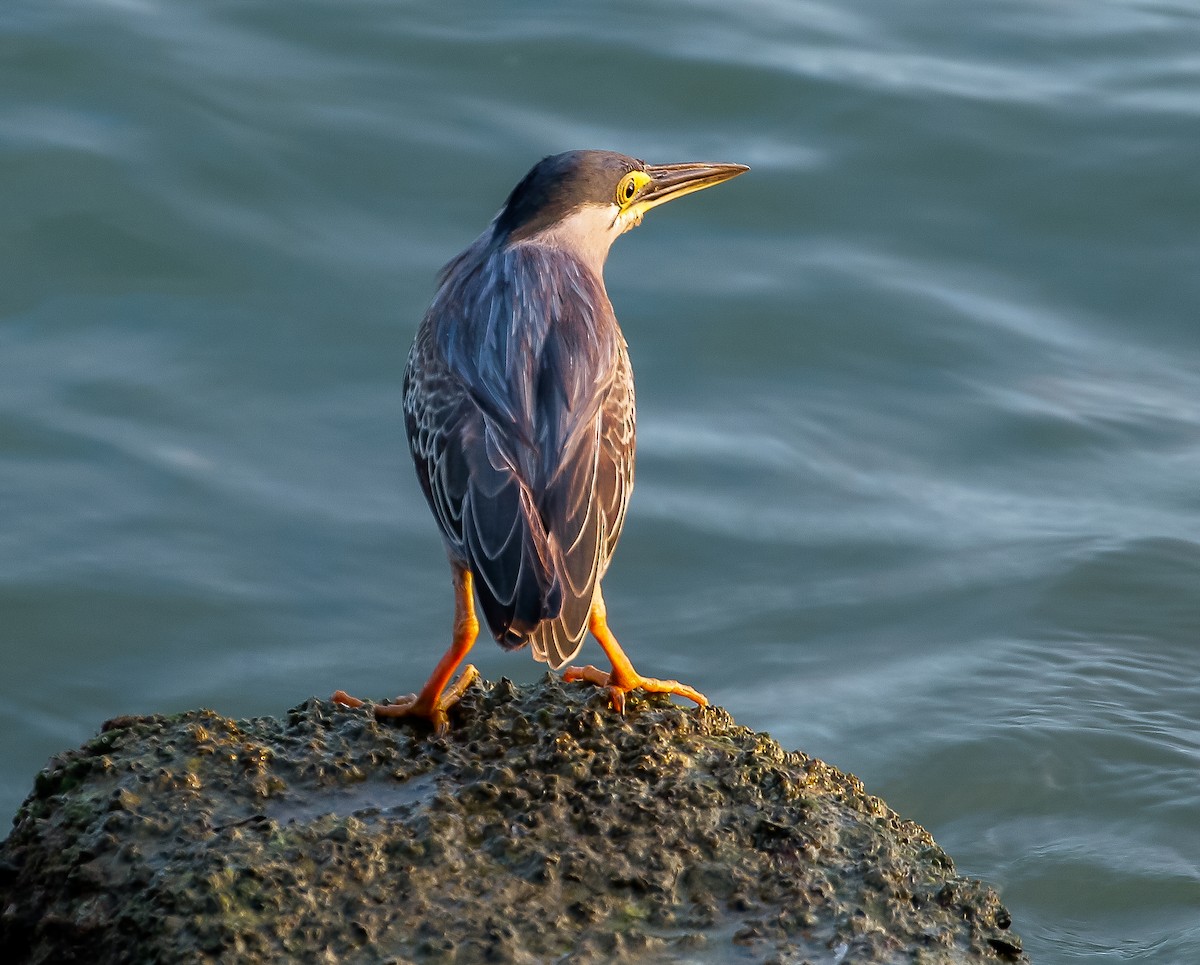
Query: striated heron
519 406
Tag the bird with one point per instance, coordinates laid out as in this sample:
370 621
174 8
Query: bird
520 415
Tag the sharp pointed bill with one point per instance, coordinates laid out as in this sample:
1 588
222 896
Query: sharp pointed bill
670 181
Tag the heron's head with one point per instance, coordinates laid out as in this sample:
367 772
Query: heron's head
582 200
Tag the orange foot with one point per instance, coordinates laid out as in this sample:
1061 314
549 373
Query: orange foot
623 677
431 708
618 688
435 697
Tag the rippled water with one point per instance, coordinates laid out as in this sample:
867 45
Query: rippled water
919 396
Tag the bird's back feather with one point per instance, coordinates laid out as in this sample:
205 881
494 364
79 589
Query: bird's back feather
520 415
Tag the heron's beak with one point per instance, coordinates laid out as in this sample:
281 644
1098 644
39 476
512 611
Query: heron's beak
670 181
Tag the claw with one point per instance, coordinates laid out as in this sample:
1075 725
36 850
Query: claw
435 698
411 705
343 698
623 678
617 689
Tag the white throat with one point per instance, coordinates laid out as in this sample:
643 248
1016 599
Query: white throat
588 232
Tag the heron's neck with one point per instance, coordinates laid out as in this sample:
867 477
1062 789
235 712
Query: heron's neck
585 234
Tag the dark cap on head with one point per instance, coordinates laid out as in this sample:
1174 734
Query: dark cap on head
560 183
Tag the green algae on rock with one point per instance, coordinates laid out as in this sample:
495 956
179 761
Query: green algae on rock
542 827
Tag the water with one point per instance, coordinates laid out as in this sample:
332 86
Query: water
919 417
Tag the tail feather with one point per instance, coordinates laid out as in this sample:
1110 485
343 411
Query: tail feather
517 589
556 642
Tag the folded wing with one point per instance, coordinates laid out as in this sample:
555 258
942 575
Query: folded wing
521 424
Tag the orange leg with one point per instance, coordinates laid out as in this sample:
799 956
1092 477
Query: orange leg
434 699
623 677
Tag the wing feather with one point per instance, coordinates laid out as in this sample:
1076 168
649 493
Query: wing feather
521 425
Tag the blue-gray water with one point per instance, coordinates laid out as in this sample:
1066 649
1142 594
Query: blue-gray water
919 396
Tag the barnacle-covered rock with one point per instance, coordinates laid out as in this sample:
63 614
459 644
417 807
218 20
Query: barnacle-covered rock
542 827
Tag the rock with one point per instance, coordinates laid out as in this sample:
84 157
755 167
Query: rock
542 827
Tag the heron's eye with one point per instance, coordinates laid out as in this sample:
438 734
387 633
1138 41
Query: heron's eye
628 187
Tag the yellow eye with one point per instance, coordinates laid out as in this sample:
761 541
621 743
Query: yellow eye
629 186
